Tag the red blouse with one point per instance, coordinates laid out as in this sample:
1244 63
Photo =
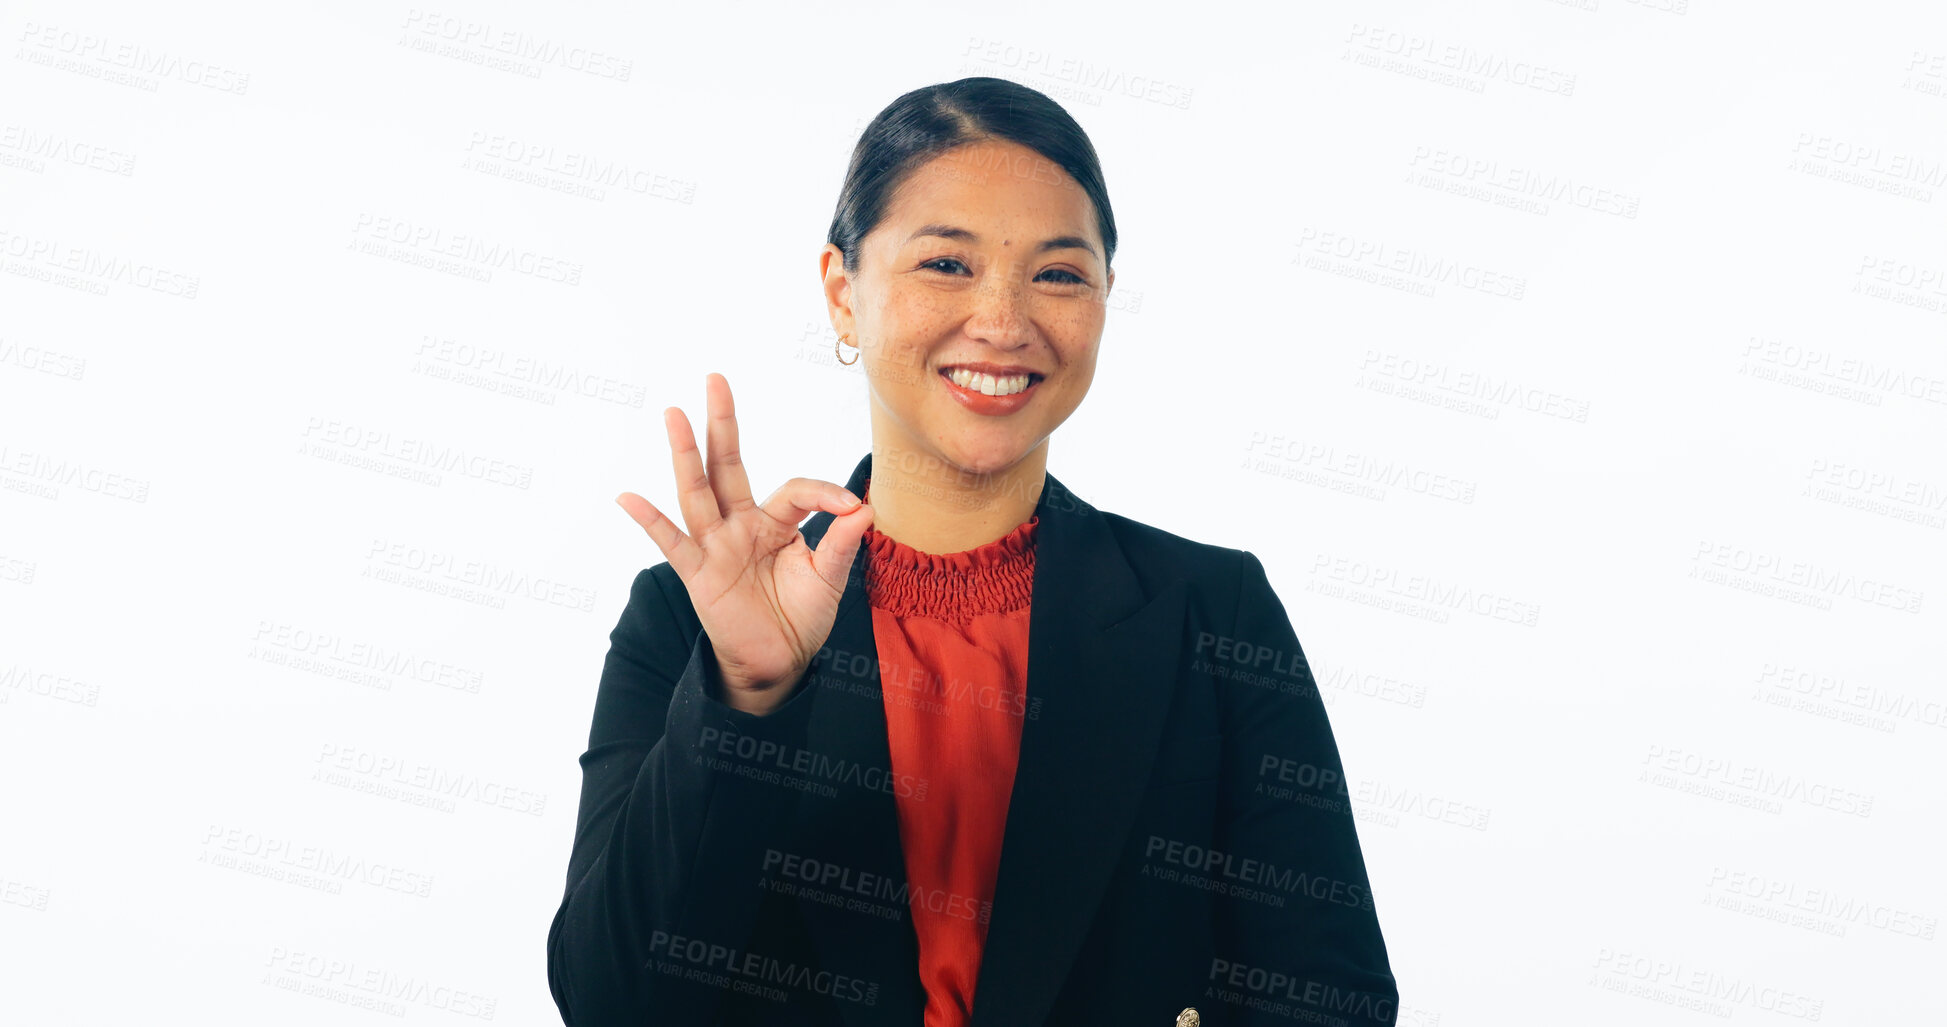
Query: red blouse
952 637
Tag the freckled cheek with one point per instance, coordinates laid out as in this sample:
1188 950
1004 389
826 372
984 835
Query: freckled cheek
1076 336
914 325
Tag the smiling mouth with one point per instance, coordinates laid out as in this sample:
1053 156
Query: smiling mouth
990 384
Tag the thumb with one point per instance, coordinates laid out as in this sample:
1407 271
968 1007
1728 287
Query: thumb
832 560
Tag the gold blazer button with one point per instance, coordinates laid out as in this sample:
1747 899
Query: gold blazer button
1188 1018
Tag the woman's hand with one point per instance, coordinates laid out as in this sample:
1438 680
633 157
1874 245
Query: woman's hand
766 598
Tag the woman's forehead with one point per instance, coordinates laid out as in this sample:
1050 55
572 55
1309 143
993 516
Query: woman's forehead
992 204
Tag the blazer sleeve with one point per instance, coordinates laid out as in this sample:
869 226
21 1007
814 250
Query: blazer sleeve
666 826
1288 807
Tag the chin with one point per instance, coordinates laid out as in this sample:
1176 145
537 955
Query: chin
986 457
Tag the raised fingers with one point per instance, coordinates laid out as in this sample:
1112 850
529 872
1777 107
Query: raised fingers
693 495
682 553
726 461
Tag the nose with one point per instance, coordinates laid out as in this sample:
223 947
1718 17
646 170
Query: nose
1000 313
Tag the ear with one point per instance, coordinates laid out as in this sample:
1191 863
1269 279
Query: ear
838 289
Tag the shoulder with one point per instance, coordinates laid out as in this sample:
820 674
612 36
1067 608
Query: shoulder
1161 558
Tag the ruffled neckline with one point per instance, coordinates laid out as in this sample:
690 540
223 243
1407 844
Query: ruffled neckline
997 577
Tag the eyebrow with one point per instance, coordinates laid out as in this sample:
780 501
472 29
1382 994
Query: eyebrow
1060 242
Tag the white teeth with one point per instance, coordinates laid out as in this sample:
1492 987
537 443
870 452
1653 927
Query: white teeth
987 384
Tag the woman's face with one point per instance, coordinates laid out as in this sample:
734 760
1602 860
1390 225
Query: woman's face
987 259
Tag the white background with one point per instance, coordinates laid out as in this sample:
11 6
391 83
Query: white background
1576 370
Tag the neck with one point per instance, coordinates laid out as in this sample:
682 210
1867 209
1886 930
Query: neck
939 508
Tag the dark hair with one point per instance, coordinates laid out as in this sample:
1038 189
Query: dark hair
929 121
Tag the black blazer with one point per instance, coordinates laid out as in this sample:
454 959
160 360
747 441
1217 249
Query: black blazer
1179 834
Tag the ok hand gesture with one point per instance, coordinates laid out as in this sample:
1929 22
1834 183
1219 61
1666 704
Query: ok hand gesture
766 599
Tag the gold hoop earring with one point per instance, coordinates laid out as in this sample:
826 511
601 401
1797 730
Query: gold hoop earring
836 343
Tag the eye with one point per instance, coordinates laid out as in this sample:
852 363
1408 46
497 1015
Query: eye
1072 279
944 260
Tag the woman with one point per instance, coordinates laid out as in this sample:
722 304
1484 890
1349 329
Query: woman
969 738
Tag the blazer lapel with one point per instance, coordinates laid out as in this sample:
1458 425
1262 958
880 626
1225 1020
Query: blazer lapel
1101 660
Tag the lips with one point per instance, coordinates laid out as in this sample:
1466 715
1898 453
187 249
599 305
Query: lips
978 378
989 394
995 369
